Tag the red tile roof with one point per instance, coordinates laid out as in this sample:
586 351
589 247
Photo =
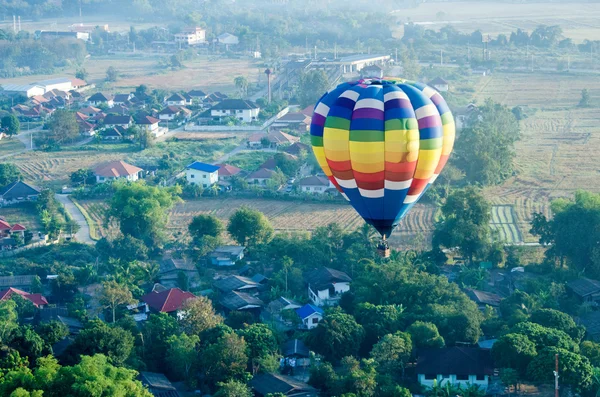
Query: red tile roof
167 301
37 299
4 225
228 170
115 169
17 228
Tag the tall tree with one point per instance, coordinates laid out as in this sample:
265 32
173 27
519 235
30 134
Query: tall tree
98 337
113 295
112 74
337 336
205 225
182 356
233 388
425 335
11 125
485 148
465 223
311 86
82 74
249 227
62 128
9 173
514 351
225 359
198 315
392 353
575 370
8 320
262 344
241 83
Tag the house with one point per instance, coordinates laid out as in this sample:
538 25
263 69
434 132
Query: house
260 176
265 384
202 174
293 120
197 95
227 39
17 192
114 120
77 83
227 255
227 171
296 349
314 185
215 97
38 300
273 162
297 149
149 124
484 299
325 285
591 322
60 314
176 100
158 385
167 301
99 99
191 36
7 230
55 35
237 283
114 134
122 99
585 289
310 316
278 307
457 365
174 112
241 301
117 170
243 110
90 111
371 71
170 270
275 140
26 90
23 283
439 84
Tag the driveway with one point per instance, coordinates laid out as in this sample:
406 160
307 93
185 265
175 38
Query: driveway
83 235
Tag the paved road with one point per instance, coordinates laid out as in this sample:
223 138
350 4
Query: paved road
83 235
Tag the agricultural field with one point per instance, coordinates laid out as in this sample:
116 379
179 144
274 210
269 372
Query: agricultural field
503 223
10 145
25 214
249 160
96 213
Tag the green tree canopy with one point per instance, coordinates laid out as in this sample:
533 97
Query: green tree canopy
575 370
249 227
545 337
337 336
205 225
100 338
378 321
425 335
261 342
233 388
182 357
392 353
514 351
9 173
312 85
225 359
552 318
11 124
62 128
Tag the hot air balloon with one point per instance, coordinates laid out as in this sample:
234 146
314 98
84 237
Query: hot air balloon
382 142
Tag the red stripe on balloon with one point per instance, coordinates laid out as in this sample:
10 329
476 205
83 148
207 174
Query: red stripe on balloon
417 186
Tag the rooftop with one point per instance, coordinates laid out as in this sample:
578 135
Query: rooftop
437 81
485 298
314 181
198 166
16 281
321 278
235 104
170 264
262 173
116 169
167 301
231 283
240 300
18 189
455 361
37 299
295 347
583 286
275 383
228 170
308 310
117 119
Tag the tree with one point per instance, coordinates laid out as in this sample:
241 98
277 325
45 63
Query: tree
241 83
97 337
584 102
82 74
156 332
510 378
11 124
311 85
337 336
323 377
485 149
225 359
410 65
182 355
83 177
141 210
62 128
545 337
261 342
205 225
112 74
114 294
249 227
198 315
8 320
233 388
425 335
52 332
465 224
514 351
9 173
591 350
377 321
575 370
558 320
357 378
392 352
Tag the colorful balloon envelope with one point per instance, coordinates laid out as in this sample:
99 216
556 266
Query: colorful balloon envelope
382 143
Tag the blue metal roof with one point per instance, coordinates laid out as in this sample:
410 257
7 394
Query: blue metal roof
308 310
196 165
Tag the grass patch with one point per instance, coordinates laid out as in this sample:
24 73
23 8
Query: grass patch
249 160
10 145
186 152
92 225
24 213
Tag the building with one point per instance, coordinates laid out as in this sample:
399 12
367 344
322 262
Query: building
272 140
64 84
18 192
23 283
310 316
314 185
484 299
326 286
241 301
439 84
585 289
355 63
197 95
117 170
293 120
296 349
243 110
371 71
191 36
26 90
227 39
265 384
170 270
456 365
227 171
38 300
114 120
260 176
237 283
99 99
122 99
297 149
54 35
60 314
90 111
202 174
278 307
170 113
227 255
149 124
167 301
158 385
9 231
113 134
177 100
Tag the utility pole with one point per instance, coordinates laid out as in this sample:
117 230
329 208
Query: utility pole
556 376
315 53
441 57
19 24
396 59
14 24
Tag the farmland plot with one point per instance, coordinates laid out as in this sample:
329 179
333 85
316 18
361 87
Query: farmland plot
503 223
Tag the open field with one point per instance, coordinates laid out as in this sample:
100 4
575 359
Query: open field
10 145
578 20
249 160
503 222
24 213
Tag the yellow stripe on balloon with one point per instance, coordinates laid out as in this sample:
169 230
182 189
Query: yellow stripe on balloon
337 155
335 134
367 158
367 147
368 168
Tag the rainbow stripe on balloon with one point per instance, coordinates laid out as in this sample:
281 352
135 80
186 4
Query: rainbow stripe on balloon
382 142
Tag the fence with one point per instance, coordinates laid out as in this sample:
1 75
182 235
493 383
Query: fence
7 254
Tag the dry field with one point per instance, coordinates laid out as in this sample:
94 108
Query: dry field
10 145
24 213
578 20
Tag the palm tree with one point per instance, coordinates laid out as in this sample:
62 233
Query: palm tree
241 83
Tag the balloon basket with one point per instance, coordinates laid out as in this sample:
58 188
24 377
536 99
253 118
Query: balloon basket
383 249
